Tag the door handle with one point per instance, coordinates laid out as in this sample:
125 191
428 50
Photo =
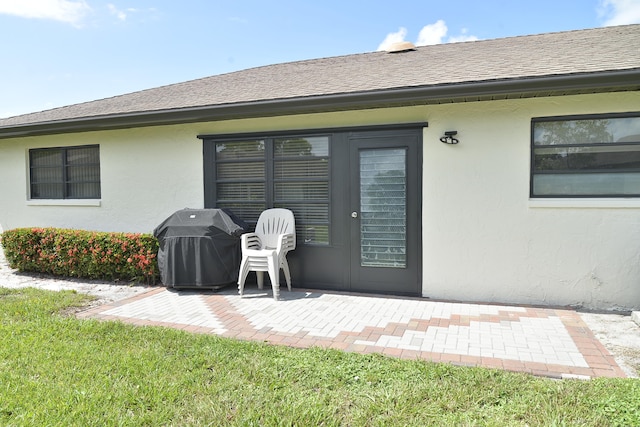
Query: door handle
354 214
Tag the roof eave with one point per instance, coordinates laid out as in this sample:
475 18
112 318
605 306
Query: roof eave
609 81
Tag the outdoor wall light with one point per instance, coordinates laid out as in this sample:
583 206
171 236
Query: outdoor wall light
448 137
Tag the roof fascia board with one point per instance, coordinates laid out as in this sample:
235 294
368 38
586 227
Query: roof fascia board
522 87
306 132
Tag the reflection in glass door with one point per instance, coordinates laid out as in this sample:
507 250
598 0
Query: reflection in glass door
383 216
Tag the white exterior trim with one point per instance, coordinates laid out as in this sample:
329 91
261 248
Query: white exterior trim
588 203
71 202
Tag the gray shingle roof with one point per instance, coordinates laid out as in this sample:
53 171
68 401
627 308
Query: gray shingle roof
452 69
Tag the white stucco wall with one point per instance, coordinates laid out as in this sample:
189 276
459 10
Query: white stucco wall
483 238
146 174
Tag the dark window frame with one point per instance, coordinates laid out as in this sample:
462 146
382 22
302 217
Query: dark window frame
64 168
533 172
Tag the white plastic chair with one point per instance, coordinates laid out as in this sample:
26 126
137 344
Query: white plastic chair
266 249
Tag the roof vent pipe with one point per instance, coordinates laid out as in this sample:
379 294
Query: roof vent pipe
399 47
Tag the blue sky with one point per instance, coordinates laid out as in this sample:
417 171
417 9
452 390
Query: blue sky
61 52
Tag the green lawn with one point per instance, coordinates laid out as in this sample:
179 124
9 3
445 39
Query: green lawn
60 371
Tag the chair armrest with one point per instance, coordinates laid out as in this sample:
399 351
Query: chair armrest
250 241
286 243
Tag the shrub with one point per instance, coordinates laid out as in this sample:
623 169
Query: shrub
83 254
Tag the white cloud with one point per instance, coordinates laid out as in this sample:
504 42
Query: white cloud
120 14
393 38
130 12
432 33
620 12
435 33
71 12
462 37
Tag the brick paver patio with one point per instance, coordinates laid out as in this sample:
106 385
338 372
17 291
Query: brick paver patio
540 341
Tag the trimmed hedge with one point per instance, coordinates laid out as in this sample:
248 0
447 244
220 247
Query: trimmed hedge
83 254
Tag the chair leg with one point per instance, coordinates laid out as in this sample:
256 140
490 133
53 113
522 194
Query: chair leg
287 274
244 270
260 277
274 275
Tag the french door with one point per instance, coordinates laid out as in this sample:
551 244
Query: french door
384 217
356 195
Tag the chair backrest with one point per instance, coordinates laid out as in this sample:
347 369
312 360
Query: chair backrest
274 222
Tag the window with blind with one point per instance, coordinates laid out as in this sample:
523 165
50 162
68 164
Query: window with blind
65 172
240 177
586 156
292 172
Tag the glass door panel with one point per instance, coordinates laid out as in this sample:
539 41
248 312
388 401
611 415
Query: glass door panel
383 213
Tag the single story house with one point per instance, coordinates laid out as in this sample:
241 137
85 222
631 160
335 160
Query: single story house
503 170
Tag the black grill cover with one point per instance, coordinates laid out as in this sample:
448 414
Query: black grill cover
199 248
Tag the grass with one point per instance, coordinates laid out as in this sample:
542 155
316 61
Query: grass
59 370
